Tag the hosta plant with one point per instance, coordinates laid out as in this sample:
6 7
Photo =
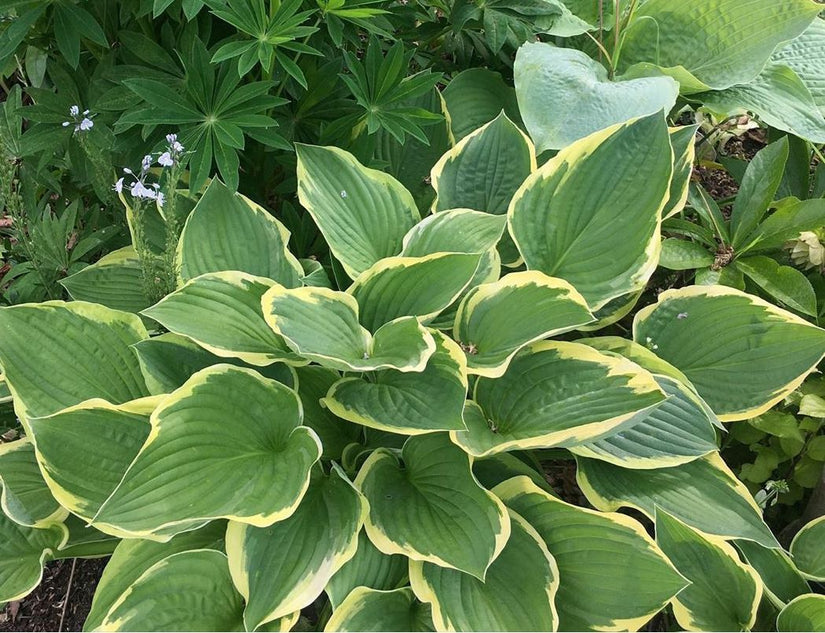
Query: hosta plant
364 450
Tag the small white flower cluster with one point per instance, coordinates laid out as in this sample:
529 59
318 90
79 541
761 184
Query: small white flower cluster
138 188
82 122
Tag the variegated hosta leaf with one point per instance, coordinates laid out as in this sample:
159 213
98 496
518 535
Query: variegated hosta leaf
555 394
517 593
362 213
782 580
742 354
108 437
133 557
82 352
689 42
684 151
322 325
454 231
564 217
115 281
367 568
85 541
221 312
411 286
612 576
808 550
23 550
474 97
187 591
26 498
169 360
229 444
227 231
368 609
723 593
495 469
703 493
496 320
432 509
335 433
805 613
565 95
285 567
407 402
806 57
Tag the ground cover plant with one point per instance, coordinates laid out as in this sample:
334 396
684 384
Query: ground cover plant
313 305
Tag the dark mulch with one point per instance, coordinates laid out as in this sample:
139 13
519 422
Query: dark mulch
43 609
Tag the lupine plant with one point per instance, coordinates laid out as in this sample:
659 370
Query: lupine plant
263 440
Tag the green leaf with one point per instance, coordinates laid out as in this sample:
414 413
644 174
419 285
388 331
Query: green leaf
82 352
678 254
494 321
454 231
227 231
555 394
729 276
368 609
682 139
222 313
786 223
26 498
258 472
702 493
723 593
185 591
781 578
517 593
784 283
133 557
690 42
807 551
413 512
363 213
475 97
564 216
597 555
741 353
285 567
23 550
805 55
407 402
411 286
805 613
368 568
114 281
322 325
564 95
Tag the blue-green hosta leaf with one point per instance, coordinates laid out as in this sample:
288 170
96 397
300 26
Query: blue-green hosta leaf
133 557
742 354
454 231
26 498
363 213
115 281
187 591
432 509
806 57
808 550
612 576
494 321
723 593
703 493
285 567
565 214
778 97
82 352
367 568
805 613
555 394
222 313
367 609
411 403
227 231
23 550
517 594
195 466
322 325
564 95
782 580
474 97
712 44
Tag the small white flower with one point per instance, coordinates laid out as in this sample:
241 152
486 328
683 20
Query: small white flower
165 160
74 110
146 163
85 124
126 170
66 123
171 138
118 186
161 198
177 147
